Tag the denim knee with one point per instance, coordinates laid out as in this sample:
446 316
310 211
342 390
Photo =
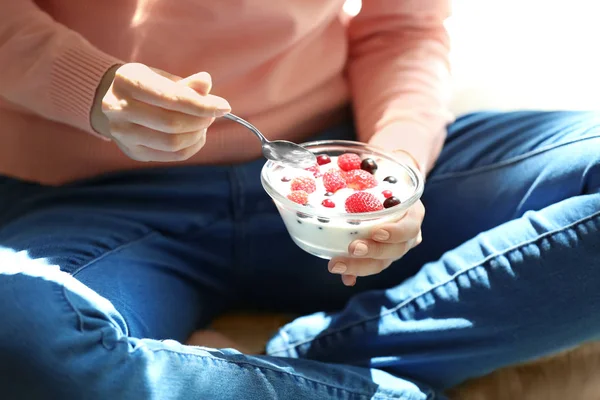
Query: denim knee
49 340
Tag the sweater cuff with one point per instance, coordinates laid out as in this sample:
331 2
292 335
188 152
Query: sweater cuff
75 76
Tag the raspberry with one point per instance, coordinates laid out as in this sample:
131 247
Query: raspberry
362 202
360 180
323 159
298 196
328 203
349 161
304 183
334 180
315 170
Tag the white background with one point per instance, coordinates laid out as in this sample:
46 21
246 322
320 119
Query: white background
515 54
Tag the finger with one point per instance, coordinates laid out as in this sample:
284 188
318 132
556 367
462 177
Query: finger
156 118
397 232
200 82
402 230
418 240
381 251
145 85
134 135
349 280
146 154
357 266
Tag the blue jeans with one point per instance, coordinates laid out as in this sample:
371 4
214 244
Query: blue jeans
101 280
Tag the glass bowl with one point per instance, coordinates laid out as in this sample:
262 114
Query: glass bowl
325 232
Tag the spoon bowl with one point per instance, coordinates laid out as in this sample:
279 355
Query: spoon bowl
288 153
279 151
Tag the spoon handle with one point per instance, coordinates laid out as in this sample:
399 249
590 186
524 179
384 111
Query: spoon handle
248 125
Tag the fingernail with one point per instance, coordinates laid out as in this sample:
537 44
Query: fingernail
220 113
381 235
360 249
348 280
338 268
222 107
205 76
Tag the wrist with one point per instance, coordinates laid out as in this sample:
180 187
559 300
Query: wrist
400 153
416 143
406 158
98 120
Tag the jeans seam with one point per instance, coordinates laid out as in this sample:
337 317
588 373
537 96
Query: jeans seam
62 293
260 367
80 323
120 247
445 282
148 235
504 163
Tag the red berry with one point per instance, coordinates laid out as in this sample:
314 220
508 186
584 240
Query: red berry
298 196
362 202
391 202
323 159
369 165
387 194
360 180
304 183
328 203
315 170
349 161
334 180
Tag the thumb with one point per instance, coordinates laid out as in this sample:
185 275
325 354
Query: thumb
166 74
200 82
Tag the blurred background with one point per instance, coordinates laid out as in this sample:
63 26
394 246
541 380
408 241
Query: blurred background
523 54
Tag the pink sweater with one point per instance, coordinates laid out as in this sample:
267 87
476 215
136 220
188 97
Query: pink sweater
289 66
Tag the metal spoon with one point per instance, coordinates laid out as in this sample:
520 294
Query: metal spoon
280 151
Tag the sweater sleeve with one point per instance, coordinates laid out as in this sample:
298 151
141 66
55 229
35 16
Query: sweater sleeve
46 67
399 75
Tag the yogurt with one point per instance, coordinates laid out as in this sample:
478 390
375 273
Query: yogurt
327 230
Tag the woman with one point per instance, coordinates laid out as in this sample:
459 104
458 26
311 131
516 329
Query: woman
131 214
